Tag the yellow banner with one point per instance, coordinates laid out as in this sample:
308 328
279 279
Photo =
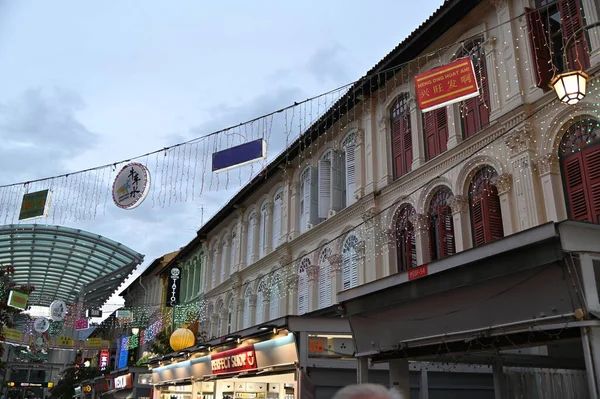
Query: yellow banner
13 335
64 341
94 342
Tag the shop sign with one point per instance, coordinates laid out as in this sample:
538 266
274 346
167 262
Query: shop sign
94 313
173 288
87 388
131 186
123 381
13 335
417 272
104 356
238 359
446 85
35 205
94 342
81 324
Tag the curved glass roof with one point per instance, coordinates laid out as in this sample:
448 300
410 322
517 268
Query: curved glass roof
65 263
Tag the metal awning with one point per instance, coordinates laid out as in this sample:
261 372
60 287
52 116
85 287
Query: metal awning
65 263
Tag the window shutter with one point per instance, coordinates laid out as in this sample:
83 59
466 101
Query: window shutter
402 145
397 148
542 58
314 198
262 235
446 231
572 21
478 221
302 294
250 249
324 184
223 262
493 215
406 143
232 249
246 321
338 188
429 126
350 169
324 284
306 200
277 211
592 164
574 178
214 268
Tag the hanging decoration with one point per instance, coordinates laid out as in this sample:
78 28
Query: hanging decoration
41 325
35 205
182 338
240 155
131 186
58 310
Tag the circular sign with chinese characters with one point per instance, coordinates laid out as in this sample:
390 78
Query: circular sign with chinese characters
58 310
131 186
41 325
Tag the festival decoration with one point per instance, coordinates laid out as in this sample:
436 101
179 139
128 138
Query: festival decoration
41 325
58 310
35 205
131 186
181 338
240 155
570 87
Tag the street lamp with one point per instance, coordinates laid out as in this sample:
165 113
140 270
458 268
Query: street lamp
135 331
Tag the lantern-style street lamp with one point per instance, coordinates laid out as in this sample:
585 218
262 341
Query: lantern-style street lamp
570 87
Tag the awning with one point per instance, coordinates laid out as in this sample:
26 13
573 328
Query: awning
519 284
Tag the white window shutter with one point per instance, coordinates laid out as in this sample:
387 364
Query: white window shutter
274 297
214 269
324 187
305 200
338 188
223 262
277 211
324 284
247 307
262 235
350 173
314 197
250 249
349 263
232 249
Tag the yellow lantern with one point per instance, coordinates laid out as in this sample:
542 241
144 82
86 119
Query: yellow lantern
182 338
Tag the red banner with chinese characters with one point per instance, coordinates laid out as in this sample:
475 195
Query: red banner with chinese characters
231 361
445 85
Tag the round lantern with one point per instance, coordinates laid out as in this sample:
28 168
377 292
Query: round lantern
182 338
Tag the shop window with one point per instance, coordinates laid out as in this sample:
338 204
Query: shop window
475 112
405 239
303 286
579 154
350 262
486 216
441 225
550 25
324 283
401 136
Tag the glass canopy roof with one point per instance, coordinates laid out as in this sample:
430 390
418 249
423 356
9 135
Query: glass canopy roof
65 263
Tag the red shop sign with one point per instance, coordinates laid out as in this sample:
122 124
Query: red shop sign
238 359
417 272
447 84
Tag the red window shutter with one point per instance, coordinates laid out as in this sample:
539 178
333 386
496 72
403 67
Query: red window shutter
592 166
478 221
441 117
397 147
407 144
493 215
429 126
401 145
542 59
410 247
436 132
446 231
572 21
576 193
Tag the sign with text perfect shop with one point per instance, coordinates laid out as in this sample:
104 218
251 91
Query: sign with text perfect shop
231 361
446 85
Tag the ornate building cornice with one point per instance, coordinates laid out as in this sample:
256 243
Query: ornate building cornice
503 183
458 203
547 163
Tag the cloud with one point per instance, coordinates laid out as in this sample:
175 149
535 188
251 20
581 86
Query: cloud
327 65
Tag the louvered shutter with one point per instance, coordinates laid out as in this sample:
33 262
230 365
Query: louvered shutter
232 249
346 270
277 211
572 21
478 220
354 267
406 144
259 306
493 214
441 119
324 187
223 263
350 170
250 249
306 200
262 234
540 50
446 231
246 321
338 188
214 268
397 147
592 166
324 285
314 198
302 294
430 134
576 192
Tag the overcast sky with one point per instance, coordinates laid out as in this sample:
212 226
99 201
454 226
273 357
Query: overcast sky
85 83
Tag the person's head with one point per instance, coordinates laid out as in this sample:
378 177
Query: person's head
365 391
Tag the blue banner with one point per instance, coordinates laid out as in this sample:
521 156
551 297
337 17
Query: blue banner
239 155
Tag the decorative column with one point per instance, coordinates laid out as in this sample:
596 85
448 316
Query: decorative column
504 183
526 186
287 209
269 228
255 231
214 324
252 310
371 242
420 224
335 261
493 86
548 169
313 288
238 320
291 284
416 125
243 244
454 123
226 263
359 164
462 222
293 211
285 295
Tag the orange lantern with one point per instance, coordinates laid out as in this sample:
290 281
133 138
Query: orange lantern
182 338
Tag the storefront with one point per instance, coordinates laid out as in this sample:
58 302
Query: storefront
134 382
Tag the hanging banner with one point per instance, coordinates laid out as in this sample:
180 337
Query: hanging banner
41 325
13 335
18 300
173 287
131 186
446 85
124 316
104 359
123 352
81 324
65 341
58 310
238 359
94 342
35 205
239 155
94 313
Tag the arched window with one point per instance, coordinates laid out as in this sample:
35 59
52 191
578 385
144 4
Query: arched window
262 234
579 154
349 262
401 135
233 249
405 239
220 319
441 225
247 299
230 316
309 198
486 217
349 164
251 232
475 111
274 297
303 286
277 217
260 300
223 260
325 288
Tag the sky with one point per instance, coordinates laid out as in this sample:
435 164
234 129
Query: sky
91 83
